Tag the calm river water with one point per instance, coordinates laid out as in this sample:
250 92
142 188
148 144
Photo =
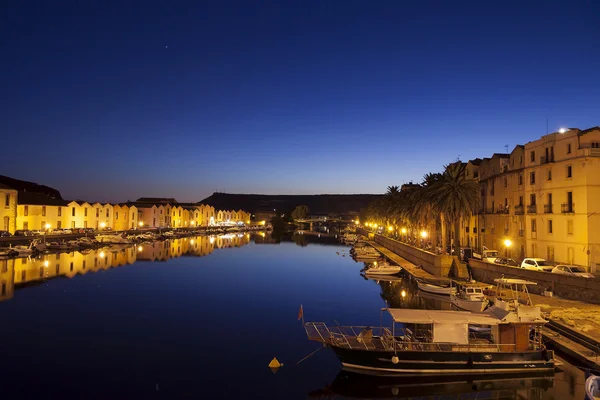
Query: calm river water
201 318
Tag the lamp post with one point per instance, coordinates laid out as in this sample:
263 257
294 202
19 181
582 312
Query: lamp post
403 230
423 237
507 244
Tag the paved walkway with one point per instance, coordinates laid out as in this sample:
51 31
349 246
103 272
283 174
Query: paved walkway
579 316
412 269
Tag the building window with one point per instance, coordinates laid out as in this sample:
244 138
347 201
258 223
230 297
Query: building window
59 211
595 145
73 211
569 148
97 212
532 178
43 211
107 212
520 179
521 201
549 226
532 199
549 174
569 171
43 226
7 200
532 156
569 227
533 225
25 225
26 211
505 181
85 212
520 160
116 215
59 224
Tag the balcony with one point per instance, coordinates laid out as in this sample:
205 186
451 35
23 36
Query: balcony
519 210
567 208
493 231
502 210
506 231
521 232
546 160
532 209
547 208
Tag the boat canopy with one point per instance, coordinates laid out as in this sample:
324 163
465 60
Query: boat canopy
410 316
511 281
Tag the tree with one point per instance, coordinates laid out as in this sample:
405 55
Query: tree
300 212
455 196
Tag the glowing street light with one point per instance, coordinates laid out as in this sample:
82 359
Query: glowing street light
562 130
47 226
423 234
102 225
403 230
507 244
390 228
141 223
403 293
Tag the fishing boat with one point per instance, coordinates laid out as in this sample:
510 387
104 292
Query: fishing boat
592 387
60 245
7 252
438 342
24 251
469 297
382 268
435 289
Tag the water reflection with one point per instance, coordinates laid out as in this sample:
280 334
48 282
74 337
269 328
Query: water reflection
21 272
349 385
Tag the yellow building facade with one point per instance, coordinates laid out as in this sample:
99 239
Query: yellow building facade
8 209
541 200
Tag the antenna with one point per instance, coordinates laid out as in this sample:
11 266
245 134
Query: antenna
458 158
506 148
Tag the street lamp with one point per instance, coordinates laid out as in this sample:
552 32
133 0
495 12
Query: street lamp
102 225
403 230
507 244
141 223
423 234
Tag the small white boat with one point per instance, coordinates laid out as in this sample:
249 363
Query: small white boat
113 239
435 289
60 246
592 387
469 297
24 251
382 268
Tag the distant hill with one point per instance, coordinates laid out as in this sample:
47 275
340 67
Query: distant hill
317 204
26 186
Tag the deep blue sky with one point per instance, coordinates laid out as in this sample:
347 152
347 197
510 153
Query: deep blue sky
115 100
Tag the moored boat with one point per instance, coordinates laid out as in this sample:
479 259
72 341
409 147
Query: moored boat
436 342
382 268
469 297
435 289
113 239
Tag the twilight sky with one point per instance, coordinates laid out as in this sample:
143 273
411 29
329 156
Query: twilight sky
113 100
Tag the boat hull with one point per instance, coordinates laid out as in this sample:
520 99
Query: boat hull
443 363
476 306
426 287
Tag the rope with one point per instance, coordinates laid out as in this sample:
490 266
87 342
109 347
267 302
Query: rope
308 356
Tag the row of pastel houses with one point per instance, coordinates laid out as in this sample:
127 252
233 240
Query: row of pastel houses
28 206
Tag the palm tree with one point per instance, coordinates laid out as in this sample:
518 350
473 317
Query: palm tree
456 197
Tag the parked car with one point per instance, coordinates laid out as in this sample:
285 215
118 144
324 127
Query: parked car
5 234
572 270
537 264
506 261
67 231
23 232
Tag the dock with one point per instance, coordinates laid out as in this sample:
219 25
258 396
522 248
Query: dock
413 270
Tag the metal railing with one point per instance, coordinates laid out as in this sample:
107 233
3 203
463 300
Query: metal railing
532 209
567 208
521 232
547 208
519 210
377 338
546 160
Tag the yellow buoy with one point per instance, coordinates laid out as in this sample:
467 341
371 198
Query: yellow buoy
275 363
